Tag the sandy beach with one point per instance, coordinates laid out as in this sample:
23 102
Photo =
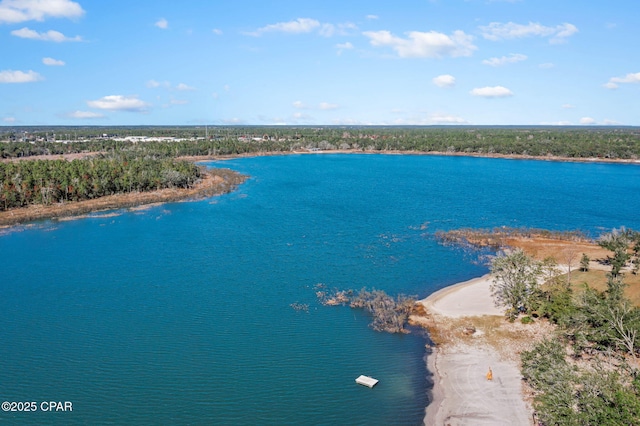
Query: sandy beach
462 394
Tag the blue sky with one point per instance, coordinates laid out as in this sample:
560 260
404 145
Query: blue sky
428 62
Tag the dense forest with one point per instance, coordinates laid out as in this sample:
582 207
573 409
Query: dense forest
569 142
53 181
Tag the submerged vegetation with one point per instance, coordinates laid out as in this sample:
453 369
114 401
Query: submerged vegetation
389 314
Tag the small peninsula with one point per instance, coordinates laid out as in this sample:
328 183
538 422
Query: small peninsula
480 359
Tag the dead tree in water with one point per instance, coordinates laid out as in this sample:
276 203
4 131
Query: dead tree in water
389 314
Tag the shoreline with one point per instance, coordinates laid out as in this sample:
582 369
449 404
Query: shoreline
589 160
470 337
211 184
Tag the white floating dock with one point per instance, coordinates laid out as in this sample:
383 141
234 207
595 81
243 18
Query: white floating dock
366 381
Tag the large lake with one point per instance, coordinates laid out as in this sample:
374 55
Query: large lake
180 314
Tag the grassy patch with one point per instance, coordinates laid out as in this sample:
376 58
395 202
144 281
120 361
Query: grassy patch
598 280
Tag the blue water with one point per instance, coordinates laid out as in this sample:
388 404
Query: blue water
180 314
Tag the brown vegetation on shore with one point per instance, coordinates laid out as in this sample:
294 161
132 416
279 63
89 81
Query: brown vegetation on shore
214 182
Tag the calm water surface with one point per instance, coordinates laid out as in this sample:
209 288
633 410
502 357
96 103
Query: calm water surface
180 314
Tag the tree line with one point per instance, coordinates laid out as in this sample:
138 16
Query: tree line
54 181
571 142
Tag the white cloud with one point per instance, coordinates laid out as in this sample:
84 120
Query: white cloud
430 44
568 106
299 105
16 11
183 87
492 92
431 119
556 123
178 102
85 115
444 80
50 35
119 103
344 46
234 120
629 78
216 31
608 122
300 25
9 119
587 120
512 58
162 23
372 17
446 119
327 106
498 31
546 65
10 76
154 84
329 30
52 62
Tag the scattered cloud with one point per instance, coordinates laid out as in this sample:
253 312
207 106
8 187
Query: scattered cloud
216 31
162 23
431 119
608 122
178 102
498 31
16 11
9 119
446 119
512 58
372 17
10 76
119 103
492 92
444 80
325 106
184 88
546 65
85 115
297 116
614 82
154 84
300 25
344 46
556 123
430 44
52 62
587 120
232 121
306 25
329 30
50 35
568 106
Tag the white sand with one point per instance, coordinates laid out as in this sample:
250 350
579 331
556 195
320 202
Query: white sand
467 299
462 395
